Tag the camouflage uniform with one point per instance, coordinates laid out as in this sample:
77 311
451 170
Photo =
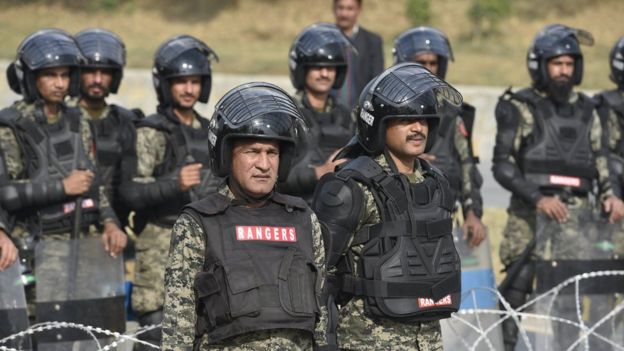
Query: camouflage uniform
521 223
16 168
16 164
356 330
614 132
152 244
186 259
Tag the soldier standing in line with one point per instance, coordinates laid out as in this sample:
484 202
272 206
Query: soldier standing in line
172 167
51 184
452 151
247 264
112 125
549 152
610 106
318 64
386 215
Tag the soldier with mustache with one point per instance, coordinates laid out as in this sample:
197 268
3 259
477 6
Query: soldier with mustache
549 152
317 64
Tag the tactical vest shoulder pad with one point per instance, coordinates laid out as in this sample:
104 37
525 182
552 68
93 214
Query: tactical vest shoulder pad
124 113
73 114
613 98
362 169
156 121
210 205
526 96
289 201
8 116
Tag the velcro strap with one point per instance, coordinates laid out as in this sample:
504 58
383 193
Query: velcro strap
286 263
430 229
380 288
448 285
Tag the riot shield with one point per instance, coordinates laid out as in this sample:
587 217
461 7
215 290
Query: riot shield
13 313
77 281
574 293
478 330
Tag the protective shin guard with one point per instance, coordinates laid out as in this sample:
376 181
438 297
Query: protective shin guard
516 296
153 336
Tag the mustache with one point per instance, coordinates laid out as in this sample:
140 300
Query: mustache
96 85
416 136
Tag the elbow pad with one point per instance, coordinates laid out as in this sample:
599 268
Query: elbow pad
17 196
338 205
510 178
142 195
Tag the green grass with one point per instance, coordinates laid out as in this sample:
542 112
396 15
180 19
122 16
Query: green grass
253 36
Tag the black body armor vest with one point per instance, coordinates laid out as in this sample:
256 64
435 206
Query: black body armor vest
114 135
53 151
447 159
409 269
259 270
185 145
613 100
329 131
558 152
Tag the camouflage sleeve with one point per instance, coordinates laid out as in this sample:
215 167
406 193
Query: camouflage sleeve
186 257
470 195
12 154
106 211
319 261
600 155
151 145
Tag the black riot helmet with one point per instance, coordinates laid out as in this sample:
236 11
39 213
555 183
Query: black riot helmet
422 40
103 49
181 56
552 41
45 48
258 111
321 44
405 90
616 62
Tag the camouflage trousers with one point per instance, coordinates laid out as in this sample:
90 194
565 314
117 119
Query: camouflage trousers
264 340
522 225
357 331
152 250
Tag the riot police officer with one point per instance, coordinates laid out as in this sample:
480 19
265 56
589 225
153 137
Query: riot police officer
172 168
247 263
548 153
48 146
112 125
387 204
52 186
452 151
610 106
317 64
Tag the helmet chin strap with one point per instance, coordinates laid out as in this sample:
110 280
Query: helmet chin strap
243 197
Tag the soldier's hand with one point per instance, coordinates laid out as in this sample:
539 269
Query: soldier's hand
474 230
114 239
553 208
78 182
614 207
189 176
8 251
329 165
427 157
